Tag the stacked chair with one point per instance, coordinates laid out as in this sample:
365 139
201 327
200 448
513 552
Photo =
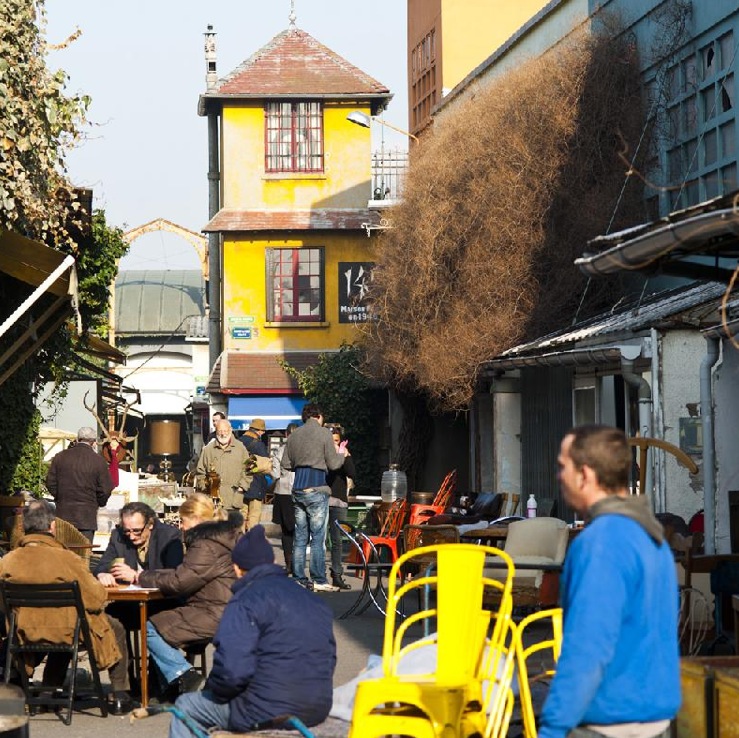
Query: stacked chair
525 677
442 500
468 690
390 532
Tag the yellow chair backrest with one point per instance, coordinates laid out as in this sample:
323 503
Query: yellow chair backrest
553 644
463 626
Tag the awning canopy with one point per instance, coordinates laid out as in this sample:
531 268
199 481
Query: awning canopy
276 411
47 270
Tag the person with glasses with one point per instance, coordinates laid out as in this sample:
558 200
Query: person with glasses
140 542
202 583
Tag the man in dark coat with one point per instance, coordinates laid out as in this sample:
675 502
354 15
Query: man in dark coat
275 650
143 542
79 481
254 493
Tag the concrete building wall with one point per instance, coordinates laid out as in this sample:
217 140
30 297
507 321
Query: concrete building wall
681 352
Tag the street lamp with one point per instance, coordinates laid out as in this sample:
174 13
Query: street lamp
364 120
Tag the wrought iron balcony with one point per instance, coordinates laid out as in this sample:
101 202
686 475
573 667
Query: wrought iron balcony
389 167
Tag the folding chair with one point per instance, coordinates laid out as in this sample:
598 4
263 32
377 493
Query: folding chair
18 597
470 646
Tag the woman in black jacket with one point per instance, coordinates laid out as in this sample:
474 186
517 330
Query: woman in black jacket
203 580
341 482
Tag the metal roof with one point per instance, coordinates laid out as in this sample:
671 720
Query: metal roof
157 302
694 305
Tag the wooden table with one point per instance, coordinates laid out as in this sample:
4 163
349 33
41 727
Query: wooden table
143 597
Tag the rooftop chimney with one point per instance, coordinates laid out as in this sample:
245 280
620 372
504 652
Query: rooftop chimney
211 78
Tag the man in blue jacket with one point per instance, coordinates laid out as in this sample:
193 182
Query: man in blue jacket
619 673
275 650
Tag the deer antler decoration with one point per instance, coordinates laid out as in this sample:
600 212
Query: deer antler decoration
114 439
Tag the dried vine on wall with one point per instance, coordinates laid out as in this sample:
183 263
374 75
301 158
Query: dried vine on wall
501 197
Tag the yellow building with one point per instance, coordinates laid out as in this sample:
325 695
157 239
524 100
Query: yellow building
447 39
294 183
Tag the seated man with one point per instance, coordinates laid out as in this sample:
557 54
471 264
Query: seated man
275 650
143 542
41 559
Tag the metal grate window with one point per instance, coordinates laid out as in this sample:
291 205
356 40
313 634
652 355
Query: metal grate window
295 285
293 137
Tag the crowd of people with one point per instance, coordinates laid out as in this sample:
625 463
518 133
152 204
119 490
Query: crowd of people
221 584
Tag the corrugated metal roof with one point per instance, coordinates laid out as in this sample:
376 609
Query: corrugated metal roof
693 305
279 220
294 63
157 302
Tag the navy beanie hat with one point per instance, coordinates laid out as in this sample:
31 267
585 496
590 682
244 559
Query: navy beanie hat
252 549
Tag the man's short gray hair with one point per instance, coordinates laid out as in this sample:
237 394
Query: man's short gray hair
38 517
87 434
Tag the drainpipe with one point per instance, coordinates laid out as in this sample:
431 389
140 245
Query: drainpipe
709 464
214 245
214 182
645 406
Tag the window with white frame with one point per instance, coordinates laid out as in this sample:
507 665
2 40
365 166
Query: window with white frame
293 136
295 285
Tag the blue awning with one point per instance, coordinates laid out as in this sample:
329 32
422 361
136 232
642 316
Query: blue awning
276 411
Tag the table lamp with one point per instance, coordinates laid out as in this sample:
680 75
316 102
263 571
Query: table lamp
164 441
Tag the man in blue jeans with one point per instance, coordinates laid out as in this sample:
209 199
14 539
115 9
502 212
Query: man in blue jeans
310 453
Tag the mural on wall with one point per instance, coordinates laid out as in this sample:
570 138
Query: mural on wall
354 282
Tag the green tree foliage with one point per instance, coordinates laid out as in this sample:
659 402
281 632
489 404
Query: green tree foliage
347 398
39 124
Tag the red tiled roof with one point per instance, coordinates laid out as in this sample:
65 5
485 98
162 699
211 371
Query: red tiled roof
280 220
238 371
294 63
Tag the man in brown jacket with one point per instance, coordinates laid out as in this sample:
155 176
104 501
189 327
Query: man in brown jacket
41 559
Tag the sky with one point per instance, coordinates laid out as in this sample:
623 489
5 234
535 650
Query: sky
142 63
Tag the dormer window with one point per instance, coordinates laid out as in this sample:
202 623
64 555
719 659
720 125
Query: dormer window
293 137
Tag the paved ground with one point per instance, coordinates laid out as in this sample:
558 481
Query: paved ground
356 638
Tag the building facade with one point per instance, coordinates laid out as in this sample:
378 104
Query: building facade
645 375
289 228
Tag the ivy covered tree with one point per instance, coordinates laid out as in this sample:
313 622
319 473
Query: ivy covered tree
346 398
39 124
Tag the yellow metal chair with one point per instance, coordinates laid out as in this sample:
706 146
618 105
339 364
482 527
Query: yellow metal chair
471 644
552 644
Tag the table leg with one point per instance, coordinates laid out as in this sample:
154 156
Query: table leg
144 666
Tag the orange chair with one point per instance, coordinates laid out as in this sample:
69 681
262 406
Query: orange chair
390 532
421 513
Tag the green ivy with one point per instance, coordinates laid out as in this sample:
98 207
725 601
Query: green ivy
346 398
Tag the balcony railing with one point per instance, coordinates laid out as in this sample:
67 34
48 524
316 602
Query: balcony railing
389 167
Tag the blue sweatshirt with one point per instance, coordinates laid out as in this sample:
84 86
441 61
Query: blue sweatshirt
620 657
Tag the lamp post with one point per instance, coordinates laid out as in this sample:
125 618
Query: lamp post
364 120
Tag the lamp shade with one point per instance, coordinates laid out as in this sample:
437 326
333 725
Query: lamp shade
164 438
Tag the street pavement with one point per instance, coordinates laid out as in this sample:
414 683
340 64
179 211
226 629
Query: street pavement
356 637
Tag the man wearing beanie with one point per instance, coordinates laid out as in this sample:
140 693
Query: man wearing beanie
275 651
